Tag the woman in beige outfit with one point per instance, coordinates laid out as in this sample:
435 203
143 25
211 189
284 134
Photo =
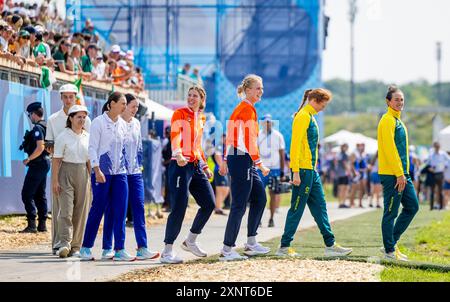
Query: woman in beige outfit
70 181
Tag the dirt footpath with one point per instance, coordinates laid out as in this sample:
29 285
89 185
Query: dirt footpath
273 270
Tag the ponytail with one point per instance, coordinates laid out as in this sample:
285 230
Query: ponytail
113 97
305 97
318 94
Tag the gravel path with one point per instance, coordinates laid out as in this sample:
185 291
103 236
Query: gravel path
261 271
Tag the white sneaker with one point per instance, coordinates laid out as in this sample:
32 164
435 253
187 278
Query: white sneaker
108 254
287 252
63 252
86 254
395 255
170 258
337 251
144 253
193 248
75 254
123 255
231 256
256 249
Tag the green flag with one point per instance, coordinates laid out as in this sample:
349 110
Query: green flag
80 97
46 79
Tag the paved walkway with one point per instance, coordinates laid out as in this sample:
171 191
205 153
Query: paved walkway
37 264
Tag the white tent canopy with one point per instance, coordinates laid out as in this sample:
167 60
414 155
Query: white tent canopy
350 138
161 111
444 139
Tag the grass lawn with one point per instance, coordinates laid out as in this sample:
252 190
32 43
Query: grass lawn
426 242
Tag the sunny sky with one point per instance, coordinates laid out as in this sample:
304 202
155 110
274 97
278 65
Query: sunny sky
395 40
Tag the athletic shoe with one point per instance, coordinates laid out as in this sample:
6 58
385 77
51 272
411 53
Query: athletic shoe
336 251
75 254
394 256
231 256
287 252
122 255
397 254
256 249
170 258
193 248
63 252
271 223
107 254
86 254
144 253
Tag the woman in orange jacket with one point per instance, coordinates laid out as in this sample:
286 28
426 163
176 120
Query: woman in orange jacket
188 172
242 159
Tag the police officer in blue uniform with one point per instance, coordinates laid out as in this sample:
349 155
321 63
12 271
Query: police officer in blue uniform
38 163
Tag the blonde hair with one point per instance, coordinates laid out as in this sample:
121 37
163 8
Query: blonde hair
246 83
318 94
201 91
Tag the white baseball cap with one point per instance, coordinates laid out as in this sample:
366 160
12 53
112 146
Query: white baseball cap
115 48
78 108
68 88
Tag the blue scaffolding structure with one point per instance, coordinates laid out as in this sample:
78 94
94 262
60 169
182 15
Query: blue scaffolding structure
280 40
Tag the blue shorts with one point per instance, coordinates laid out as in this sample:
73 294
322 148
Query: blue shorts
375 178
221 181
447 185
272 173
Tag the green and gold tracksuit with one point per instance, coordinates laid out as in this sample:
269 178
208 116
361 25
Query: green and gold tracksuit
393 160
304 154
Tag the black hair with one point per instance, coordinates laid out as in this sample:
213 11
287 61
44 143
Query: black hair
113 97
39 36
39 112
130 97
69 122
391 90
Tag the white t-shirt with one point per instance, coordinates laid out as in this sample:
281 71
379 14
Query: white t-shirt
72 147
57 123
269 148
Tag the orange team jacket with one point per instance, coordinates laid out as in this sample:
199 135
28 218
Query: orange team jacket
186 135
242 131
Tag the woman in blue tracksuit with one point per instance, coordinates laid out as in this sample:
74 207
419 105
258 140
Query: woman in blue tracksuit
109 180
133 161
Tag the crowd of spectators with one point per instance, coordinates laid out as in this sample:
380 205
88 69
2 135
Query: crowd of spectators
35 35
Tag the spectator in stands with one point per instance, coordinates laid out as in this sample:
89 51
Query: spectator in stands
5 35
23 44
88 28
99 67
15 21
196 76
185 69
61 56
114 54
86 60
73 60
